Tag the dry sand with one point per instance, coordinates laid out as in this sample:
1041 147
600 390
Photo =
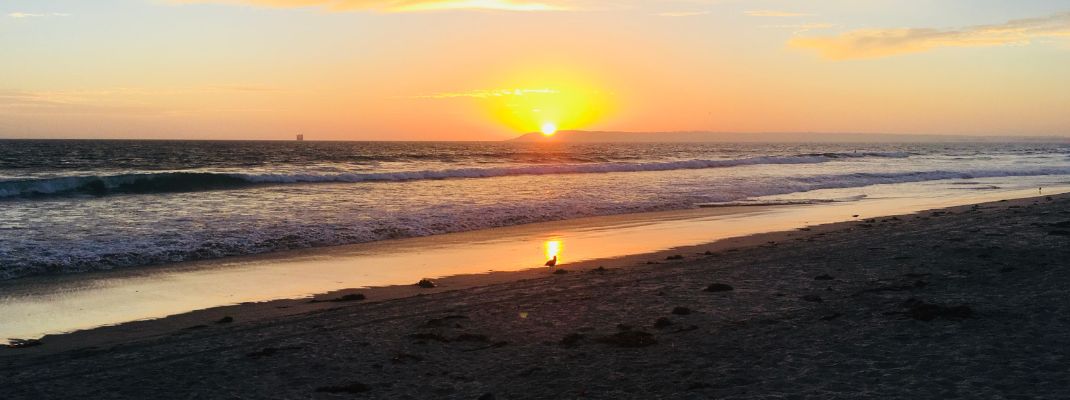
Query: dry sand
969 302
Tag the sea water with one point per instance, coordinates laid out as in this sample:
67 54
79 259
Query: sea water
72 206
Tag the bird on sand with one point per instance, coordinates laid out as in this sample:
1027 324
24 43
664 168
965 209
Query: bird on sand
552 262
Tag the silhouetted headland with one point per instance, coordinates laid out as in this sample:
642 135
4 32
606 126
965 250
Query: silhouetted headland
772 137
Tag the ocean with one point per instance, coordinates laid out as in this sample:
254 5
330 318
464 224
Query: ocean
71 206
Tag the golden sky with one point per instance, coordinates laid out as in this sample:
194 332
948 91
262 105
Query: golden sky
493 69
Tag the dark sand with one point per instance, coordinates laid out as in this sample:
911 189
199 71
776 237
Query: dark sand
970 302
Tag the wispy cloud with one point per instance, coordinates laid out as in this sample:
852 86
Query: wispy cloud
125 101
36 15
54 98
486 94
876 43
246 88
401 5
776 13
682 13
801 28
23 103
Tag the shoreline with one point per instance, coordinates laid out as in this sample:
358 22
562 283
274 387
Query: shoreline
832 311
137 329
129 302
818 313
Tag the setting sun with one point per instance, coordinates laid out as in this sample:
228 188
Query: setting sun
545 98
549 129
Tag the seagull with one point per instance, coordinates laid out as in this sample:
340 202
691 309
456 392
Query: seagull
552 262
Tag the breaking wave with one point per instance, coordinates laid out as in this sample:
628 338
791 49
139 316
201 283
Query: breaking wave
174 182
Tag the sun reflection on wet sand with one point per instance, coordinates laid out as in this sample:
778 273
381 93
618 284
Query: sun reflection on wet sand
553 249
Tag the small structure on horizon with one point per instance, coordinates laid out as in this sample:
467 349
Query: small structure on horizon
300 137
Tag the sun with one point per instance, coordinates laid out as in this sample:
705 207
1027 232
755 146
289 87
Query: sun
549 128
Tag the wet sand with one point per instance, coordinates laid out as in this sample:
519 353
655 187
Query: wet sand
33 307
968 302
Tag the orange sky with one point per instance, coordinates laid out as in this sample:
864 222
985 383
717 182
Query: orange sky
492 69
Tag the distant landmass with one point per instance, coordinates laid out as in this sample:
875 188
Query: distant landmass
650 137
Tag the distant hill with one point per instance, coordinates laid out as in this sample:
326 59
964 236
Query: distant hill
651 137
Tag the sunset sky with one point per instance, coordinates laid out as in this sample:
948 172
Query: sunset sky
493 69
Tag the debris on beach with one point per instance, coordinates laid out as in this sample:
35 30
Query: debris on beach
402 358
923 311
23 343
429 336
343 299
471 337
350 297
681 311
892 288
813 298
560 272
675 257
270 351
426 283
662 323
355 387
629 339
440 322
225 320
718 287
831 317
572 339
688 328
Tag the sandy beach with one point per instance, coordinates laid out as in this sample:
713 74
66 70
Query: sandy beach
534 199
964 302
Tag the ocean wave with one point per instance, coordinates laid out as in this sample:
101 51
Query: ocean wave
861 154
868 178
172 182
126 183
172 240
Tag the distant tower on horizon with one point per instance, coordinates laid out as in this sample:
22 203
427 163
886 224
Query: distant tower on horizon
300 137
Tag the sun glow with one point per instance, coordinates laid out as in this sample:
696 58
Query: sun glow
549 129
549 100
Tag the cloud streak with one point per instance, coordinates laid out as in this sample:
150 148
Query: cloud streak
802 28
877 43
36 15
400 5
775 13
683 13
487 94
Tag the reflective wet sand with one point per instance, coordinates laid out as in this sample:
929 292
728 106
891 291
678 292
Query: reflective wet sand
33 307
